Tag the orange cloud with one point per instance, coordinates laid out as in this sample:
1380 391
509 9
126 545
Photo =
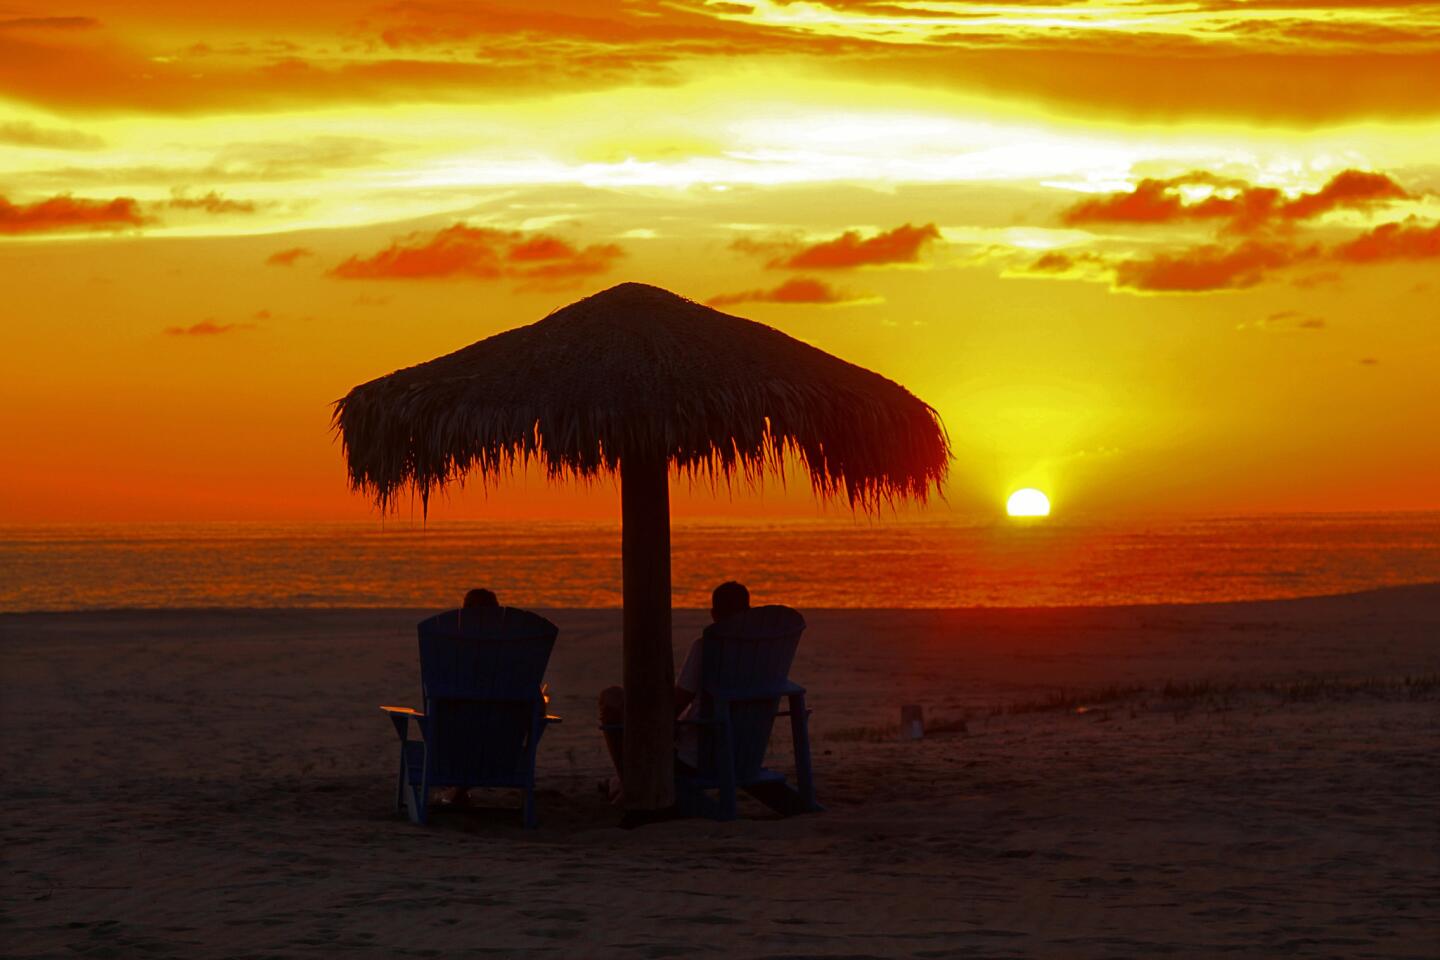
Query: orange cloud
287 258
1134 75
212 202
1216 267
1208 267
480 253
1152 201
657 29
794 290
409 52
206 328
904 244
1348 188
1236 61
65 212
1405 240
1245 209
1248 208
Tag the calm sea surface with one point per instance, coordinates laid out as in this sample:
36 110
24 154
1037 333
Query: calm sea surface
814 563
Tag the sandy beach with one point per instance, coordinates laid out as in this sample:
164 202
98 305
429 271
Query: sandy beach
1252 780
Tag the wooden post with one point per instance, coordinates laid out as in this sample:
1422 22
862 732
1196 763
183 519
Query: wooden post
912 722
649 759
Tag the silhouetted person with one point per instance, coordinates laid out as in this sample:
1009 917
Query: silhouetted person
726 600
480 597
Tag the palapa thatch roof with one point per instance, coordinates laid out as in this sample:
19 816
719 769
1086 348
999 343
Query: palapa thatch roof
638 371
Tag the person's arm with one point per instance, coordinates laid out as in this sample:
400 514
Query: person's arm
687 681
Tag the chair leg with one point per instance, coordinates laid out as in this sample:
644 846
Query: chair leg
400 782
415 802
725 762
537 729
420 793
800 733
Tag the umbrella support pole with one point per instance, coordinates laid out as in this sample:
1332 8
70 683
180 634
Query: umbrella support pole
649 757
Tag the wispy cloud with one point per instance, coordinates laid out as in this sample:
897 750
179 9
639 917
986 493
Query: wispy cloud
795 290
480 253
1248 60
211 202
207 328
1220 59
850 250
287 257
1284 320
1208 267
1056 263
21 133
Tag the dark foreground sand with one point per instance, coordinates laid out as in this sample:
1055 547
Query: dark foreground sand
219 784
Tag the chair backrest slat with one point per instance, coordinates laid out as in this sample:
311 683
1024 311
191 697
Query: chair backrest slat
747 657
481 671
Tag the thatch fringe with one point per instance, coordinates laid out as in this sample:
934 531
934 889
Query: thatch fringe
637 371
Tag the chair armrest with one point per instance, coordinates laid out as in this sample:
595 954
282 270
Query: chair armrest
551 718
400 717
796 697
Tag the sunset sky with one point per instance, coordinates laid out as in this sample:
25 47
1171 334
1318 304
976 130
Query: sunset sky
1148 257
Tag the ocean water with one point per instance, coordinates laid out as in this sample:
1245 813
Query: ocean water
809 563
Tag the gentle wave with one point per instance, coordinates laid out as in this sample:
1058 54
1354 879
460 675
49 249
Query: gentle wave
814 563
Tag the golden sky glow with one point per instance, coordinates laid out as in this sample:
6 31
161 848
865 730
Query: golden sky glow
1143 256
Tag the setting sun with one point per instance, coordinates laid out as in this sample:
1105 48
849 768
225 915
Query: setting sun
1028 502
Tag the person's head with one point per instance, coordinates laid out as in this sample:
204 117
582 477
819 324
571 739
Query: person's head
728 599
480 597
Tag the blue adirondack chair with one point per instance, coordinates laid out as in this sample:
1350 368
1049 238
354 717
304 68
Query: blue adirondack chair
745 667
480 676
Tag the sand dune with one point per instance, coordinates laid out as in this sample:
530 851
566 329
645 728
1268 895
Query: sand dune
219 784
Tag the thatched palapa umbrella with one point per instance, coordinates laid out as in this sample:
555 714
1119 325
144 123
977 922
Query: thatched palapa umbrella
639 381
